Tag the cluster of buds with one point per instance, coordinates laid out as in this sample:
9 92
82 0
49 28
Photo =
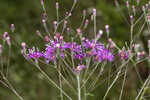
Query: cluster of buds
58 36
6 38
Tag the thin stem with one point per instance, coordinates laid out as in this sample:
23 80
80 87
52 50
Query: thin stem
89 76
124 79
131 32
60 80
100 73
117 76
12 88
112 84
144 85
58 23
85 95
95 26
8 61
50 80
79 89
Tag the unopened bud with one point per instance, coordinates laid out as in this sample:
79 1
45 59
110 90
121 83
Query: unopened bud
8 40
68 29
47 38
107 30
134 9
137 1
38 33
131 17
65 23
61 38
143 8
94 12
55 24
86 23
79 31
43 21
1 49
57 5
100 32
23 45
5 35
42 2
149 43
12 27
84 12
127 4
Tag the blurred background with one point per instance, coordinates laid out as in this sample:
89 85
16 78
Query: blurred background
27 17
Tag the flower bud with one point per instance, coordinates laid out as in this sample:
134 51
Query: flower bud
46 38
127 4
8 40
84 12
79 68
5 35
94 12
107 30
79 31
42 2
12 27
86 23
23 45
1 49
57 5
68 29
100 32
149 43
131 18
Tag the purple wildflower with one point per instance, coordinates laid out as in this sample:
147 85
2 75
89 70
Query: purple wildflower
77 51
97 50
124 54
34 54
50 53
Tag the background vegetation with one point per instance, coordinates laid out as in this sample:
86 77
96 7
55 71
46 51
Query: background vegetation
27 15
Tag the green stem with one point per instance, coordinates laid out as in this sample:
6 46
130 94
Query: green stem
79 89
50 80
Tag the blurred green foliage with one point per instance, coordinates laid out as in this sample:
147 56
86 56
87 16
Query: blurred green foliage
27 14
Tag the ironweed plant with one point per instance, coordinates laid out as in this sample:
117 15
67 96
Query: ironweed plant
82 64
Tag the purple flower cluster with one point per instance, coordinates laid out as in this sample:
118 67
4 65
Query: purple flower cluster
88 48
34 54
97 50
